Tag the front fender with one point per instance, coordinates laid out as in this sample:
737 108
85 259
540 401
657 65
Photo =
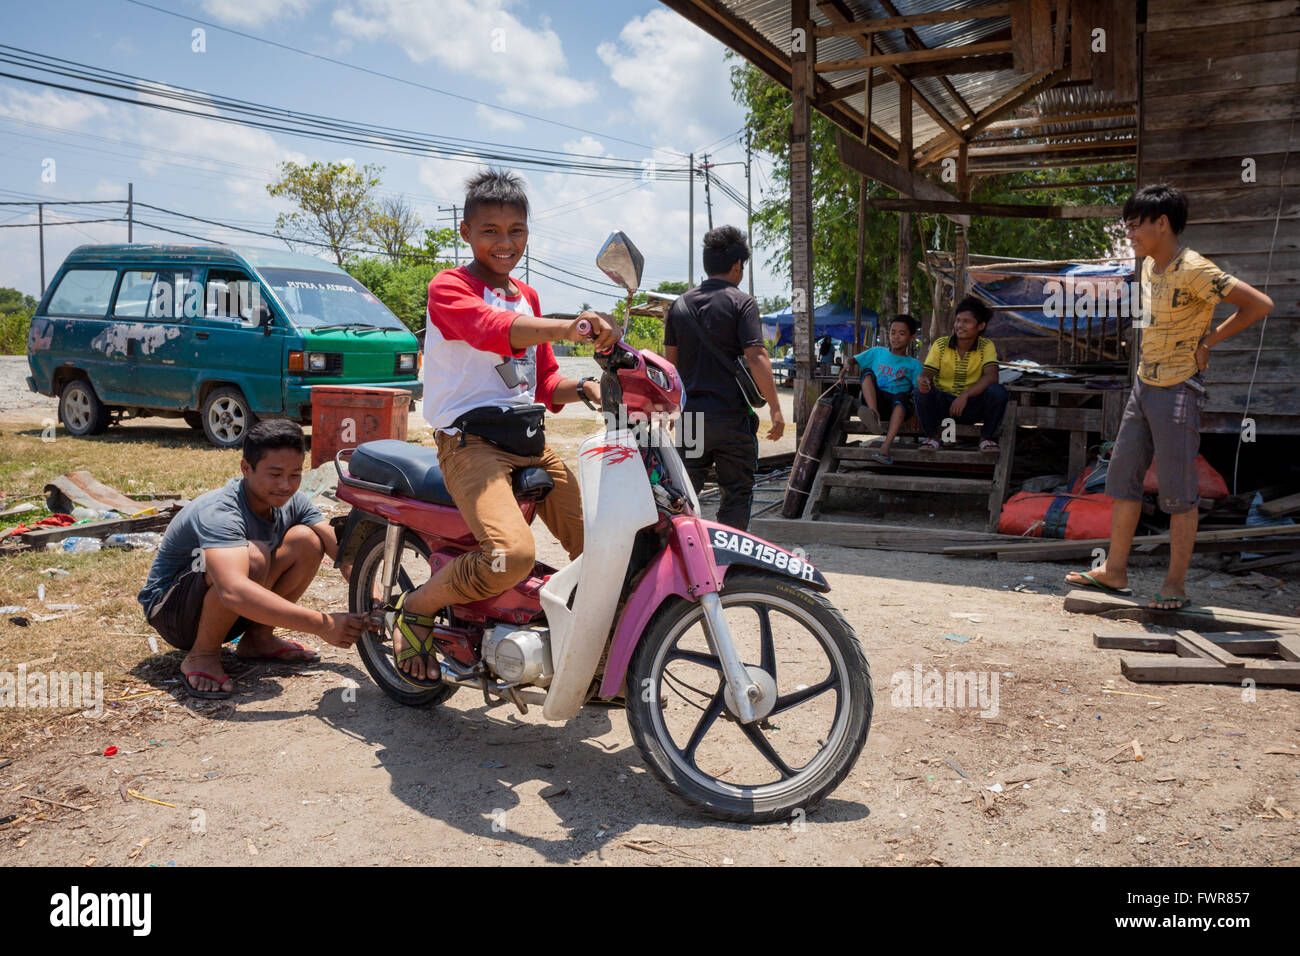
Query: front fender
697 560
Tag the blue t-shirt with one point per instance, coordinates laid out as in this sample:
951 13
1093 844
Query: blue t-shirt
896 374
220 518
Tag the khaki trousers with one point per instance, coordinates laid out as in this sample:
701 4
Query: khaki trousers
477 475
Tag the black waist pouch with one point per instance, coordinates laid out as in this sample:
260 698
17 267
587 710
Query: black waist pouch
518 430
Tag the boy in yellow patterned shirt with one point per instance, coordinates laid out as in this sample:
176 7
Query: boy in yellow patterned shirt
1162 419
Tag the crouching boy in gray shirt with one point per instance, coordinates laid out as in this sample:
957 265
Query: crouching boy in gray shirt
235 561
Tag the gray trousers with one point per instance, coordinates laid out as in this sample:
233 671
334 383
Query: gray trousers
1163 422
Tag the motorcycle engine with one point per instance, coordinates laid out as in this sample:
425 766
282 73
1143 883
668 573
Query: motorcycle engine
519 655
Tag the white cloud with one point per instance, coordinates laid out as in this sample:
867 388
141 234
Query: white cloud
254 13
676 76
587 146
50 108
477 38
497 120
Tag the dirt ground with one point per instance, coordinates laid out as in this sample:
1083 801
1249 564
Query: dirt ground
316 766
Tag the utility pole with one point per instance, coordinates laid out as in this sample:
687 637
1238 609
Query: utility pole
749 215
708 198
130 212
690 229
40 228
455 230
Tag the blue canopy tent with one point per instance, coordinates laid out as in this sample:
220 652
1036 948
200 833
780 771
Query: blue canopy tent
829 319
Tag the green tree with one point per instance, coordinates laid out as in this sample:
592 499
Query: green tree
403 286
334 204
834 188
393 225
15 318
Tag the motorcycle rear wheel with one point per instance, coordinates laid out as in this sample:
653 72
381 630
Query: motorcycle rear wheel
376 646
747 773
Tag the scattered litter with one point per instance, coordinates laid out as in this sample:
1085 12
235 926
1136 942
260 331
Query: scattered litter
160 803
961 773
491 765
12 609
18 509
62 607
1024 589
959 638
1137 749
148 693
1283 750
57 803
55 572
996 788
1029 577
974 618
1129 693
1165 779
110 750
20 621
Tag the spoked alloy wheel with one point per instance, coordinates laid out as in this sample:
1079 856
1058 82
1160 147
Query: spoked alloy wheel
366 591
816 702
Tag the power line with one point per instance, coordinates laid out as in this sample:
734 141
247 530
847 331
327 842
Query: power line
390 76
310 125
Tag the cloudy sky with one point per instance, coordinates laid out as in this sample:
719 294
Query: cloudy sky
627 79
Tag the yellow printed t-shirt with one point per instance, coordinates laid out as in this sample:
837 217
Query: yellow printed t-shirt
1182 301
953 373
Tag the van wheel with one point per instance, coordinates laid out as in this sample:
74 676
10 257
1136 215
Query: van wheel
80 409
193 419
227 417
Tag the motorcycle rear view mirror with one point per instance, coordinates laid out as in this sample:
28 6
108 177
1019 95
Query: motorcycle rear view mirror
621 261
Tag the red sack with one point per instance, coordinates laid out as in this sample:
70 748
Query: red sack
1049 515
1210 483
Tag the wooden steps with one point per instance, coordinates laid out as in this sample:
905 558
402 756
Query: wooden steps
894 482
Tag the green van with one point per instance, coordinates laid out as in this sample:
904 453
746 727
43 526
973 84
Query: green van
218 335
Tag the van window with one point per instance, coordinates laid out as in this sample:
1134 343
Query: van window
232 295
328 300
166 294
83 292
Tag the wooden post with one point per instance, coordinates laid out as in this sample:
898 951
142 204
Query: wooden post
801 266
961 258
862 208
905 218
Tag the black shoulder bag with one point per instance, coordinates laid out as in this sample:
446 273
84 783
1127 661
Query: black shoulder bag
738 365
518 430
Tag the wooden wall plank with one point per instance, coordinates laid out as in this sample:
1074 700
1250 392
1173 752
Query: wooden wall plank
1187 74
1103 64
1244 237
1225 205
1230 139
1284 269
1266 399
1040 17
1224 173
1123 49
1083 17
1222 423
1184 15
1262 104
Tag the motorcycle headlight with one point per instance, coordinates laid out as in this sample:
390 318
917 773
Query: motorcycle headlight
657 376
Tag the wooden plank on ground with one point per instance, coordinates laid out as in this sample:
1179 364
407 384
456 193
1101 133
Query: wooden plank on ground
1254 642
1040 545
1281 506
850 534
1209 649
1197 617
98 529
1200 671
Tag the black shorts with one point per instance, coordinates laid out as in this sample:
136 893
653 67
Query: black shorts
887 401
176 615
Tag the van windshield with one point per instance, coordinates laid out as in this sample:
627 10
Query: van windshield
316 299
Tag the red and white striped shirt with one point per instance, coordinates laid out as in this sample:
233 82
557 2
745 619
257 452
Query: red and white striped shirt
468 361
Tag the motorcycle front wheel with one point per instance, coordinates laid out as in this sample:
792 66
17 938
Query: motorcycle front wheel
781 766
365 591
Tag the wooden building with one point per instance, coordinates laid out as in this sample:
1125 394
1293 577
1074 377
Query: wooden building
931 95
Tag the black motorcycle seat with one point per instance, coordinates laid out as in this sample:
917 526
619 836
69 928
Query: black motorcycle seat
411 470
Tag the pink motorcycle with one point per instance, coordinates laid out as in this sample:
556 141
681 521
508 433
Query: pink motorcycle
746 690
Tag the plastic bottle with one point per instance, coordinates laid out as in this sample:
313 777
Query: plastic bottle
149 540
80 513
75 545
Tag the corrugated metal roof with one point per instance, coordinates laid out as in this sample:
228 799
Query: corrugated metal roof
771 19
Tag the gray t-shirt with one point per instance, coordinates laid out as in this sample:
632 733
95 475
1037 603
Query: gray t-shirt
220 518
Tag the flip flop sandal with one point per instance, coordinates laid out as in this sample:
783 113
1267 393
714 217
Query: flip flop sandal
415 647
1092 582
929 445
205 694
1182 603
280 658
883 459
988 445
